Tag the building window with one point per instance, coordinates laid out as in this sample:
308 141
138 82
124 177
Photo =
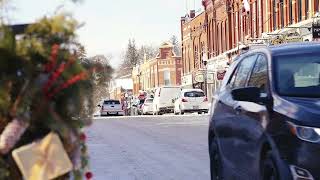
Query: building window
167 79
290 12
307 9
299 10
282 13
274 12
316 5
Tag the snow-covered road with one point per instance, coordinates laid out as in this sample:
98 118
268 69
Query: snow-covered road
149 148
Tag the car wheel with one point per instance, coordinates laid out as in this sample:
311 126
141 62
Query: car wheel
199 112
215 161
269 170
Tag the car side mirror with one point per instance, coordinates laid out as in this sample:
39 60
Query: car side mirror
249 94
99 105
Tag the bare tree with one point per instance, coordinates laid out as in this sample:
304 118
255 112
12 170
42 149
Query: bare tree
102 79
147 50
177 47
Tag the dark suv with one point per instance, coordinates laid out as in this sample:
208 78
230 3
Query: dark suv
265 120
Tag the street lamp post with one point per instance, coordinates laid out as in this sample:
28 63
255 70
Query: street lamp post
139 75
205 62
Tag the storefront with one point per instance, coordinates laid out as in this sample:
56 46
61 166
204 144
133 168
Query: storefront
217 66
203 78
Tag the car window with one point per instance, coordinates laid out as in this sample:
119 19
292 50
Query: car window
240 76
194 94
149 101
259 76
298 75
111 102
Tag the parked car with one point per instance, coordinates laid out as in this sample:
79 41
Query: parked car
191 100
111 107
162 102
265 121
147 107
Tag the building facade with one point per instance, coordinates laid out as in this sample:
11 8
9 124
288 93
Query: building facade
226 26
163 70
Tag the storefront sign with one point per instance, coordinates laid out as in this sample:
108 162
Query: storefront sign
199 78
187 80
316 30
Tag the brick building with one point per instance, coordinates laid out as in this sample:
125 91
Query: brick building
225 26
163 70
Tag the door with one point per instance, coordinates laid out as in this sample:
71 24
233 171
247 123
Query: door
252 119
227 123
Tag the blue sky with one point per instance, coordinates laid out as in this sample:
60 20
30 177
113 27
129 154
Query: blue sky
110 23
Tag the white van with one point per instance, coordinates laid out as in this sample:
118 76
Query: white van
163 99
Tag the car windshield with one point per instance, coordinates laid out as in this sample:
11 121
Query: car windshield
194 94
111 102
298 75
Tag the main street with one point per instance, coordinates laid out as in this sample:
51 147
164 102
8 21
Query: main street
149 148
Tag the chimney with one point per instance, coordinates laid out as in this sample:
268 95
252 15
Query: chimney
183 20
192 14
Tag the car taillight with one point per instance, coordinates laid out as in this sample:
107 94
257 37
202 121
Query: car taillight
102 107
184 100
205 99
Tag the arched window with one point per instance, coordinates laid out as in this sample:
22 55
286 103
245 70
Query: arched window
299 10
290 12
307 9
282 13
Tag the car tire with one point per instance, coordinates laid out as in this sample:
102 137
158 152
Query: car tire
199 112
268 168
174 112
215 161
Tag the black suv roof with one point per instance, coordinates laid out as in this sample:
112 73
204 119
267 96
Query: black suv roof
289 48
304 47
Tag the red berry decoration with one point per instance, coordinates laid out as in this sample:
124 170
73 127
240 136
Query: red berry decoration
83 137
89 175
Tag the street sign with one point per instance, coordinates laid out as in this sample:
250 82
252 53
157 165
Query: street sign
199 78
316 30
220 75
210 78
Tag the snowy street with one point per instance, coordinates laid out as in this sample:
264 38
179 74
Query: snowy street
149 148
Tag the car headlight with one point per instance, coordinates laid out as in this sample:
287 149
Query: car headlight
309 134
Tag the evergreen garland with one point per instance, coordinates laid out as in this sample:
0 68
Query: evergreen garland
46 88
